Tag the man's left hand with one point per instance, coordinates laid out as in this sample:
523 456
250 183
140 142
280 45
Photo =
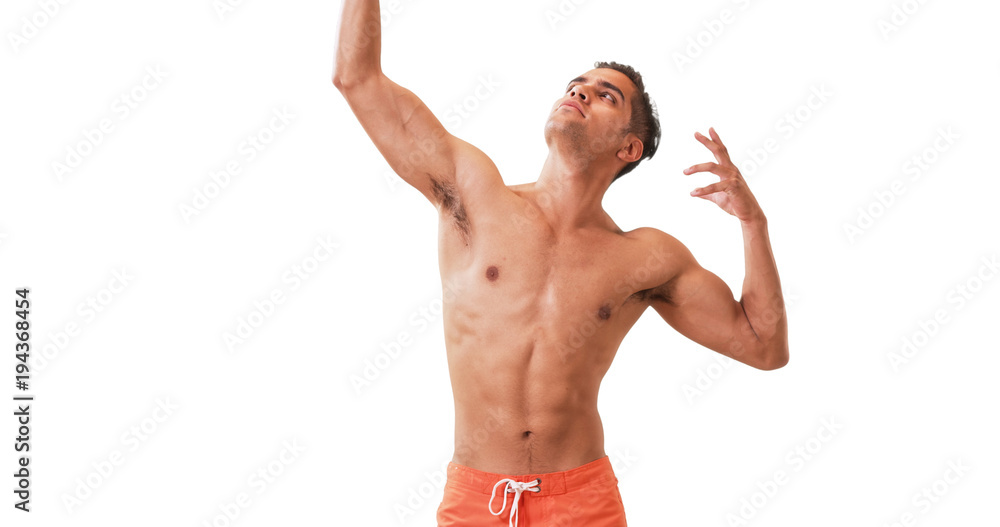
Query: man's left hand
731 193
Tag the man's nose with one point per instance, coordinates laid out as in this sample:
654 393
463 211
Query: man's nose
578 91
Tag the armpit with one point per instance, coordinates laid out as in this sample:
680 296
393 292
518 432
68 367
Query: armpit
659 294
447 195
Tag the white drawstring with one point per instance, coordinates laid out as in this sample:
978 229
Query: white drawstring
516 487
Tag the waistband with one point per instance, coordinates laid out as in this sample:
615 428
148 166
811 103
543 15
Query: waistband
551 483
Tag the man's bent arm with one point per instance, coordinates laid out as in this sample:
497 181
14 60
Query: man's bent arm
701 306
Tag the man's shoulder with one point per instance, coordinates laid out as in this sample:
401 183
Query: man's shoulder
655 239
663 256
474 169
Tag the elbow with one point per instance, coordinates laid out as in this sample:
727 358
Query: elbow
774 358
347 79
340 81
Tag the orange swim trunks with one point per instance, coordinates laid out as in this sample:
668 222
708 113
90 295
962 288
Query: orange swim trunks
583 496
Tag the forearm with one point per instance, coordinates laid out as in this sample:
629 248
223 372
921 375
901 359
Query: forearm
359 42
762 299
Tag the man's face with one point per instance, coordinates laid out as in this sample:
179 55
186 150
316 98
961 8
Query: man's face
594 111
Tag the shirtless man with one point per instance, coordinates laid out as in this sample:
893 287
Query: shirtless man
541 286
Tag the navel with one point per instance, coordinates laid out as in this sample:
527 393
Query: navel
605 312
492 273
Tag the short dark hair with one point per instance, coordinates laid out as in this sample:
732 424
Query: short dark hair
644 122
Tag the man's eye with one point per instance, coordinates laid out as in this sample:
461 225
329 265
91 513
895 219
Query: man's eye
610 97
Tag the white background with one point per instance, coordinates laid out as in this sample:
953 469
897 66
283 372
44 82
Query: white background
681 460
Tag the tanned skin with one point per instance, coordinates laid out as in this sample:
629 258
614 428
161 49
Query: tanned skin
540 285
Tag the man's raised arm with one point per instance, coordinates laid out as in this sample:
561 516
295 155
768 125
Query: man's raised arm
699 305
408 135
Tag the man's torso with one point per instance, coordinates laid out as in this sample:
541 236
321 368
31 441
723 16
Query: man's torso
533 319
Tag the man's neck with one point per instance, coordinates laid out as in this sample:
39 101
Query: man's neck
570 190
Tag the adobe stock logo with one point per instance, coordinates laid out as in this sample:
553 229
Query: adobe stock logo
30 26
884 199
562 11
122 107
796 458
899 17
957 297
293 278
788 125
459 112
702 40
924 500
253 145
134 437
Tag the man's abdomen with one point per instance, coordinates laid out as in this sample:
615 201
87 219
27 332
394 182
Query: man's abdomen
524 410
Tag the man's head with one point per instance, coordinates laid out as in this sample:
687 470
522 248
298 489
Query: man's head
606 113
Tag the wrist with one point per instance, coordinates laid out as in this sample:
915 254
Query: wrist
755 219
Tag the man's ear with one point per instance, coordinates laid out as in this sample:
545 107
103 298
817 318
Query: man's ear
632 150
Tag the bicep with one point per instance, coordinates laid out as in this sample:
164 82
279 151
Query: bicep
407 134
700 306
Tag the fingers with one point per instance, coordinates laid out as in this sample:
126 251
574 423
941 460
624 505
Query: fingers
701 167
715 168
715 137
715 145
721 186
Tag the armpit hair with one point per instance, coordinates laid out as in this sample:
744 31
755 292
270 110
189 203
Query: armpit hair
447 194
661 294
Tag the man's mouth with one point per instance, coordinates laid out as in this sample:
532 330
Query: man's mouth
573 105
